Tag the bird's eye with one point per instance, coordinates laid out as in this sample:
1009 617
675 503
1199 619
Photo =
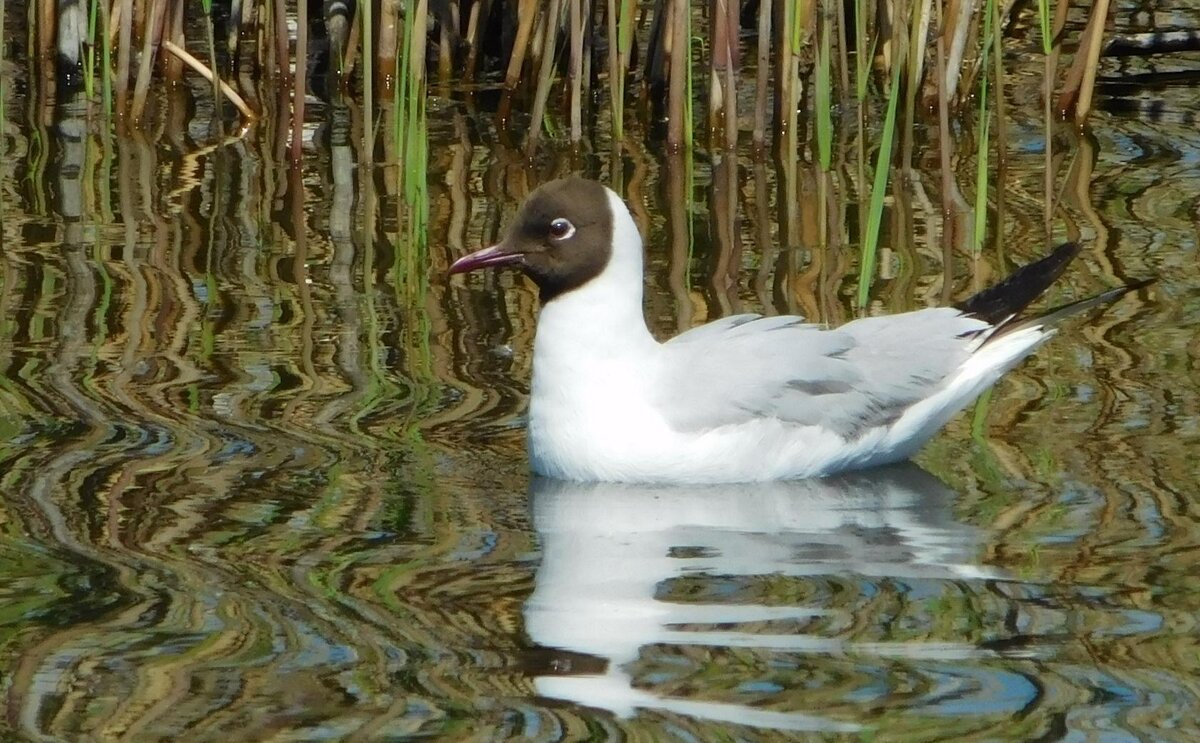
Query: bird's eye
561 229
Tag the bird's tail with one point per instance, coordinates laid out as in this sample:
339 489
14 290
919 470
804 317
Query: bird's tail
1003 301
1001 305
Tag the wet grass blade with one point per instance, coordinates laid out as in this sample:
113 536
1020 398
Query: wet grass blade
878 190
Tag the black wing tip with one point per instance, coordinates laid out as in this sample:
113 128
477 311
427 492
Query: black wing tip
1009 297
1001 305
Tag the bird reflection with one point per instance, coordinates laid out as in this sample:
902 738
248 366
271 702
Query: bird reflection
608 549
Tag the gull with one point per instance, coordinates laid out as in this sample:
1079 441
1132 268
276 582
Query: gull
747 397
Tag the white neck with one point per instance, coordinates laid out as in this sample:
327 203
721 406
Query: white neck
603 317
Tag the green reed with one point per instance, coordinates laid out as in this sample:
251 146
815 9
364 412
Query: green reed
625 47
411 147
823 99
212 52
878 190
1044 22
981 159
1048 140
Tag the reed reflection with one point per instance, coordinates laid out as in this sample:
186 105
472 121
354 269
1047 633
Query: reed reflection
785 568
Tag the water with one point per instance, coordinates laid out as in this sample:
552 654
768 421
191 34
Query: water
263 472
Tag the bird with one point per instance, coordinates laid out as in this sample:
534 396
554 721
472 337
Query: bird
747 397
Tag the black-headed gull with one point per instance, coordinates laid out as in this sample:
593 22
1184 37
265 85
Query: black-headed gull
746 397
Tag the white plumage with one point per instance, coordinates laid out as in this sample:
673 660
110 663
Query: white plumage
744 398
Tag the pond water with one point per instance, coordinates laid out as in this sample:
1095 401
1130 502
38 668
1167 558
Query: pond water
262 466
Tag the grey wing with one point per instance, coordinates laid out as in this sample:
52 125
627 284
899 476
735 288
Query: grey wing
861 375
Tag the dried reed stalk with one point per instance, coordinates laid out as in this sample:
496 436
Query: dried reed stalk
545 74
208 74
386 49
678 41
298 84
150 42
281 37
350 47
945 145
918 40
960 28
526 15
446 43
615 77
125 41
473 39
764 75
576 61
45 36
233 34
1076 96
723 56
174 71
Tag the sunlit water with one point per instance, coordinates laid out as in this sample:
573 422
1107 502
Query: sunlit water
263 473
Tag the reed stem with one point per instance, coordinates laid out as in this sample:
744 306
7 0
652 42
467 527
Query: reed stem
545 75
174 32
526 15
211 76
150 42
89 60
368 63
981 159
576 76
878 189
124 53
385 46
945 144
764 75
677 84
616 99
823 98
212 53
298 82
1077 92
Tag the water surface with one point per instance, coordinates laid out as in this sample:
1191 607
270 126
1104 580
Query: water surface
263 474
